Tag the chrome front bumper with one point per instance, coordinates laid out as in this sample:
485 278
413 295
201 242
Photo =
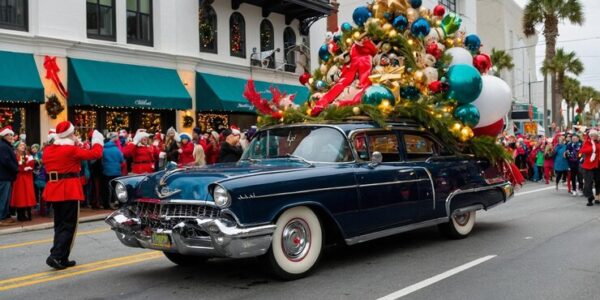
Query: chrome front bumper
218 238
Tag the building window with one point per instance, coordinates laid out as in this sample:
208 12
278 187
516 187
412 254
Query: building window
101 19
267 42
207 27
139 22
13 14
289 43
449 4
237 35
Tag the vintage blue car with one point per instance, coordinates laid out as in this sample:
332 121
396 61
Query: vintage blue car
298 187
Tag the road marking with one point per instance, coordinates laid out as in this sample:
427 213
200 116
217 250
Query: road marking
50 240
427 282
23 281
535 191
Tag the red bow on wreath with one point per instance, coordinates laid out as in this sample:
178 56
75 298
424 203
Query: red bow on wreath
52 70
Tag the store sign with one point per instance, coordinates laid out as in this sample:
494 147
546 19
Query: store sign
143 102
530 128
246 105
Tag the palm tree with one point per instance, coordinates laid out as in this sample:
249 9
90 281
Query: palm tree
501 60
558 66
549 13
571 91
587 96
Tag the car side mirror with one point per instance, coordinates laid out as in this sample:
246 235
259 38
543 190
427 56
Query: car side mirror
376 159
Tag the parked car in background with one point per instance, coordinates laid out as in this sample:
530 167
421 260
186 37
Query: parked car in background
298 187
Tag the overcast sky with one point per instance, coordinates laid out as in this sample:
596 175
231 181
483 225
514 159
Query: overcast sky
584 40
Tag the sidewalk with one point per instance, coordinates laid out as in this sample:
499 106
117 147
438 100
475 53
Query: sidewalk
39 223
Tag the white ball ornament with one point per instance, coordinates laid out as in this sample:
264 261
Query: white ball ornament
460 56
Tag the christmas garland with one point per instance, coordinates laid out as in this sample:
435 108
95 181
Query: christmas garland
207 34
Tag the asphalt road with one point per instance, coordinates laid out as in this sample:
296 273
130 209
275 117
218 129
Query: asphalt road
544 244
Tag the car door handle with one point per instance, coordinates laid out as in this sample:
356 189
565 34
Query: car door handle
410 172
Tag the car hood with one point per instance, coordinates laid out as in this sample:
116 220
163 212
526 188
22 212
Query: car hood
191 183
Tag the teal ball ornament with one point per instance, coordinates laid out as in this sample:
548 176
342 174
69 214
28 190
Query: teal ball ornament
420 28
375 94
321 85
465 83
324 54
416 3
346 27
400 23
468 114
360 15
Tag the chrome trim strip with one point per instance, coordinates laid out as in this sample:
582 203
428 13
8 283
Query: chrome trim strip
392 231
479 189
463 210
307 191
391 182
431 181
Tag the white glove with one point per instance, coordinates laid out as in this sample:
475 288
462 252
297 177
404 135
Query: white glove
97 138
179 150
162 155
28 168
593 157
155 143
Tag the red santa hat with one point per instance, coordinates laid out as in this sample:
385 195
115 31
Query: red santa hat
6 131
235 130
64 129
51 134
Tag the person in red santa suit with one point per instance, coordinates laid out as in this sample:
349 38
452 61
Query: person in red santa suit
186 151
361 63
212 148
23 195
63 166
142 153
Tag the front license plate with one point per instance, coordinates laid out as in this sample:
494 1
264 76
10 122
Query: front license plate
161 240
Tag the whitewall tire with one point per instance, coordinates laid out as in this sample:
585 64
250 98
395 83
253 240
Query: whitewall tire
297 243
460 226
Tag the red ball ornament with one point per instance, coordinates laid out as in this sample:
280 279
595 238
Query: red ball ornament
434 50
439 10
490 130
277 115
304 78
436 86
482 62
333 48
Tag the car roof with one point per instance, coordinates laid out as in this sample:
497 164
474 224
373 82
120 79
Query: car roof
350 125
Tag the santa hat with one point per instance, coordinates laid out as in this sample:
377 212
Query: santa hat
64 129
51 134
123 133
235 130
6 131
139 135
593 132
215 135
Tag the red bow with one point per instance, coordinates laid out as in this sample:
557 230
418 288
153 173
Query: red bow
52 70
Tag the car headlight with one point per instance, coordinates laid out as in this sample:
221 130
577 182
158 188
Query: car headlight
121 192
221 196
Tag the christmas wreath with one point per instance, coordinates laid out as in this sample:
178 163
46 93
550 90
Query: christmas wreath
54 107
188 121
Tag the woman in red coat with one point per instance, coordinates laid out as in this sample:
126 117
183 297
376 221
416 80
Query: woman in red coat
212 148
186 151
143 154
23 195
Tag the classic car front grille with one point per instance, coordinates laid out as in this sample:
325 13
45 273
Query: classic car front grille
165 216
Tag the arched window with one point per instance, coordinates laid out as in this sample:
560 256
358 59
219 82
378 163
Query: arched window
207 27
267 42
237 35
289 41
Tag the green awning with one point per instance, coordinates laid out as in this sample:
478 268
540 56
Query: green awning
94 83
220 93
19 78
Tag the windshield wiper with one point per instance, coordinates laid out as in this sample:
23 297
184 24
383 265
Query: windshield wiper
298 158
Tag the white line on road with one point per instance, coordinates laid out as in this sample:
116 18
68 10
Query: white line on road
535 191
427 282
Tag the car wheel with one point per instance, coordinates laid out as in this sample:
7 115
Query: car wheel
185 260
460 226
297 243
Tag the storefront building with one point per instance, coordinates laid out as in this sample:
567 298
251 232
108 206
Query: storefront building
141 63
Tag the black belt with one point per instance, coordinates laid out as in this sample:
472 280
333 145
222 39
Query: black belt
143 162
55 176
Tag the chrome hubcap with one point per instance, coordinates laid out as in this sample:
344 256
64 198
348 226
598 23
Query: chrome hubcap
463 219
295 239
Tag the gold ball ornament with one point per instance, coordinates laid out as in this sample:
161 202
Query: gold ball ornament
393 33
385 107
418 76
324 68
386 47
349 41
466 133
387 27
411 42
356 35
412 14
356 110
424 11
450 43
311 81
258 119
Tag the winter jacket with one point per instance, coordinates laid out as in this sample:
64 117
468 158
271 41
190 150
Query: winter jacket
230 153
8 162
587 150
143 158
186 157
112 159
171 150
212 153
539 158
573 153
560 160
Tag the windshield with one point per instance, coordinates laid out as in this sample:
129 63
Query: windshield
315 144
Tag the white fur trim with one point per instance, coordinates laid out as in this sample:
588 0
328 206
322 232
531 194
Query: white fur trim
6 131
64 142
67 132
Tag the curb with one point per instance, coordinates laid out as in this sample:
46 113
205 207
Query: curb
49 225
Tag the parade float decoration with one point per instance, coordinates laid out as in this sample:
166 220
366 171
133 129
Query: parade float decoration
400 59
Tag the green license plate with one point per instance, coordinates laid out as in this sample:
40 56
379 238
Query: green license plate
161 240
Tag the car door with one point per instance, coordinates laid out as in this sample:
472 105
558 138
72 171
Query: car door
388 191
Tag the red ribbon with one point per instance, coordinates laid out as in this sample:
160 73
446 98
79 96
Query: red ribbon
52 70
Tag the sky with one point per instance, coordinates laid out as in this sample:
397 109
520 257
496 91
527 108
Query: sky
583 40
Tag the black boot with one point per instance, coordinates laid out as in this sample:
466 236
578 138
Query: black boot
590 201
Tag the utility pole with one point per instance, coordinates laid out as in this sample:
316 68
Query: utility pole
546 131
